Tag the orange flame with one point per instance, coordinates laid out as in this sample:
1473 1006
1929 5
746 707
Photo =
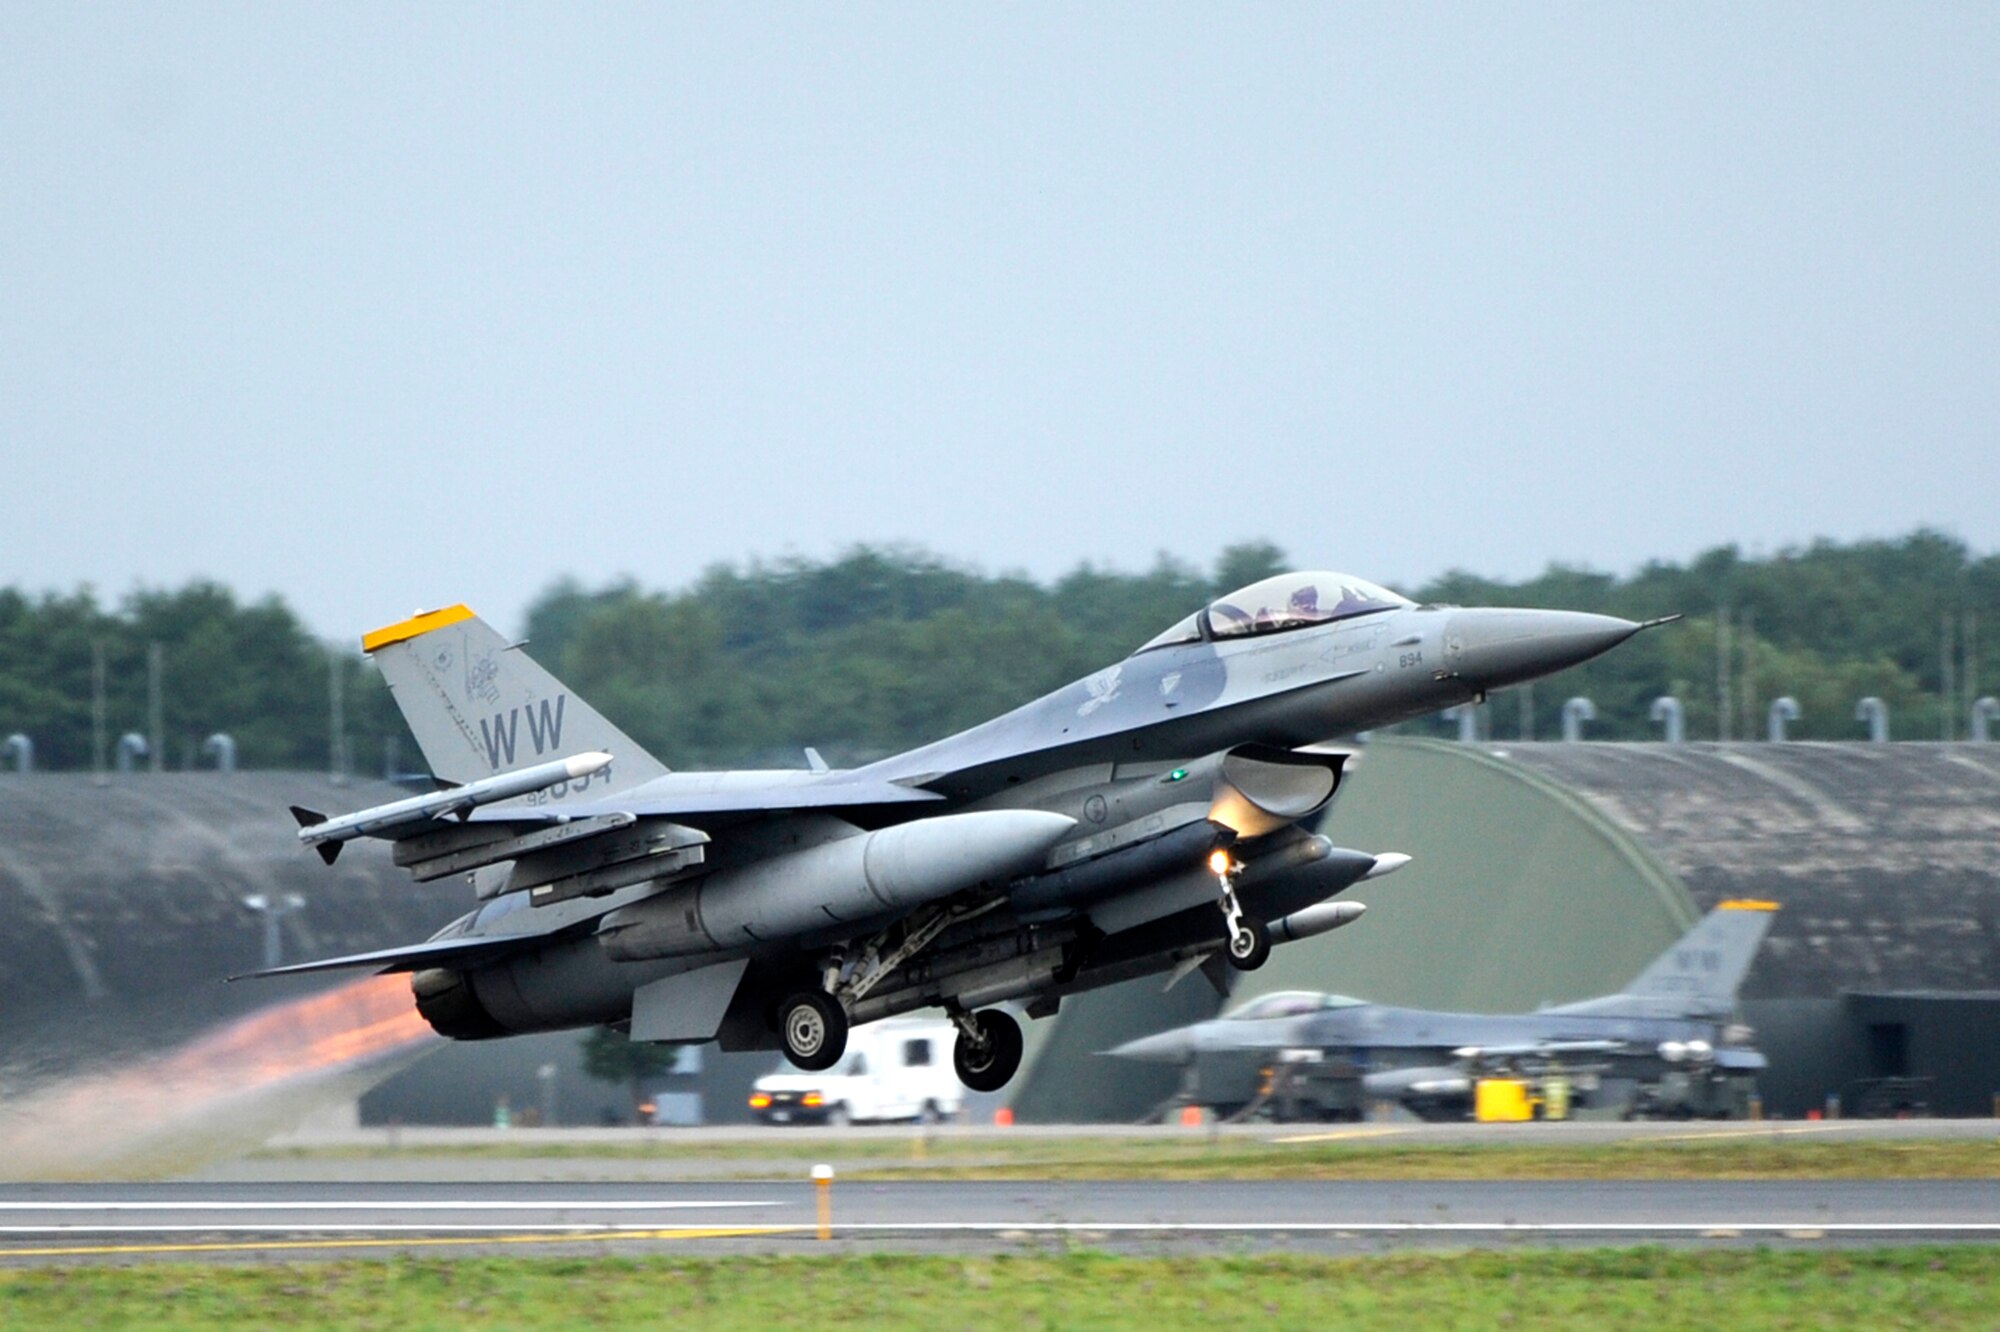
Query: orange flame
341 1026
224 1091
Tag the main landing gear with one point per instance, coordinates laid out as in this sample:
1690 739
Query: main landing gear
813 1027
812 1024
1248 944
987 1053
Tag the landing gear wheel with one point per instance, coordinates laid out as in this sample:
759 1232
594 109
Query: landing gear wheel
988 1063
1249 944
814 1030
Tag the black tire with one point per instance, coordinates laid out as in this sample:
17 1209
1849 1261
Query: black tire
813 1029
990 1064
1250 946
840 1116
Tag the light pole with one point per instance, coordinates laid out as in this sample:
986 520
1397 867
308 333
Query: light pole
1667 709
223 746
273 908
546 1075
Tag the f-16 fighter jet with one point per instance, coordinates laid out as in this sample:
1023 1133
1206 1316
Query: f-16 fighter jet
1677 1012
1154 815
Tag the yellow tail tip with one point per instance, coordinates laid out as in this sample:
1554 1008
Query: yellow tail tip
421 623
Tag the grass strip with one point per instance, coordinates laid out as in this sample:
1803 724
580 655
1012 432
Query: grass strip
1197 1157
1937 1288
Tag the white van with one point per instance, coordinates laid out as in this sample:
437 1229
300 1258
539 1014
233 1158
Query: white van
899 1068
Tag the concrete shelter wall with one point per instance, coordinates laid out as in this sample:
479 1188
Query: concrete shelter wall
1884 857
121 904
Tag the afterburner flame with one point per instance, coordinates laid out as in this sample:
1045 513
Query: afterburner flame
347 1025
223 1092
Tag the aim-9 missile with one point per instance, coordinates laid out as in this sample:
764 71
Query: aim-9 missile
326 835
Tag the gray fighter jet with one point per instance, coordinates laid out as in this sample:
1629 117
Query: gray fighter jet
1676 1014
1152 815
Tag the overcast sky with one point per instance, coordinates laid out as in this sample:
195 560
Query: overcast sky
387 306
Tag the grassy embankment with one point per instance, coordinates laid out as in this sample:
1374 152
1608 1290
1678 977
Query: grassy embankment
1934 1288
1311 1156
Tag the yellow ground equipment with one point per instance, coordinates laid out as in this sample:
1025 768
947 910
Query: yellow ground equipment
1504 1101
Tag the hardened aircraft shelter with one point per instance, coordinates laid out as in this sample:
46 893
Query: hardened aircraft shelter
1550 872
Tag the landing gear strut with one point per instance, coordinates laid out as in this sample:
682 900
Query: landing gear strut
987 1053
813 1027
1249 943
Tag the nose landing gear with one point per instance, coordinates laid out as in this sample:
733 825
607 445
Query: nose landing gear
1248 942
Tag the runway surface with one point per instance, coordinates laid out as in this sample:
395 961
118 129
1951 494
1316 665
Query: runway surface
436 1155
123 1222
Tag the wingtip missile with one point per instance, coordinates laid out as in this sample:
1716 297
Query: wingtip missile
324 834
583 765
308 818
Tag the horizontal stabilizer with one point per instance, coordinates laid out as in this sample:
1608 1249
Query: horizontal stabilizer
436 953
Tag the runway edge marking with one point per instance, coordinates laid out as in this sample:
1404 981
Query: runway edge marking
110 1250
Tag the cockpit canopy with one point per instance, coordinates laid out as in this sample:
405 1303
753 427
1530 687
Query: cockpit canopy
1285 601
1289 1003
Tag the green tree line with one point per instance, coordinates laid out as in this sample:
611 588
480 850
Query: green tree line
75 675
884 648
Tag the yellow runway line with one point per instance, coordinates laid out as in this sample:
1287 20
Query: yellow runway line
1339 1135
1768 1131
435 1241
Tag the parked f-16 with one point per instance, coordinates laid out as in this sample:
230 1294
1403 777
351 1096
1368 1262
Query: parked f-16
1676 1012
1155 814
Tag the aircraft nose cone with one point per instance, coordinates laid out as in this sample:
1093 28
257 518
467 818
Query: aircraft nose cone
1493 648
1169 1047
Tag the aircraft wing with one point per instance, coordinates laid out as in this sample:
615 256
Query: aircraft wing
667 798
428 818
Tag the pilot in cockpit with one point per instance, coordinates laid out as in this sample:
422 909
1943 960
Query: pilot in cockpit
1301 608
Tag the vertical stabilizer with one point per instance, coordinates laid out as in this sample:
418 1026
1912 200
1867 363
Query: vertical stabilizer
478 706
1708 964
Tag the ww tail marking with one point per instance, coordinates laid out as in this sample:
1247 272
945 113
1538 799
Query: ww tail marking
502 734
